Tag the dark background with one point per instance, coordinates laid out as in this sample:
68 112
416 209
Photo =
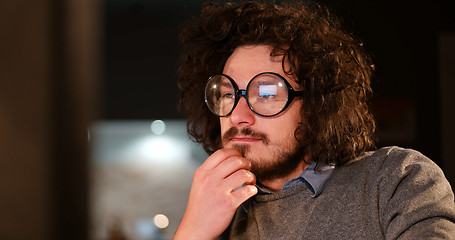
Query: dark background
142 50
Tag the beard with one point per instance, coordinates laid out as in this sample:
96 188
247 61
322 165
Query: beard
280 160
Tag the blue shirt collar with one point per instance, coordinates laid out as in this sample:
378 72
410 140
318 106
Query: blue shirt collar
314 179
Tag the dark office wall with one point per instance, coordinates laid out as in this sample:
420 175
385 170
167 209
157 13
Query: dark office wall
141 56
403 40
48 97
24 144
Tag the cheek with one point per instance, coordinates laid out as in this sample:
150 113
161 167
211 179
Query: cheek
224 126
292 119
283 130
296 110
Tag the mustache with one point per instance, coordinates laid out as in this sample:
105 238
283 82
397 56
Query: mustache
247 132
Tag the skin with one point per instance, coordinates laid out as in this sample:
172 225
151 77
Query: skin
213 201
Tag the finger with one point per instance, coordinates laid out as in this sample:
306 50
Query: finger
238 179
242 194
231 165
218 157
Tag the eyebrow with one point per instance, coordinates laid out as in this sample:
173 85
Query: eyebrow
226 83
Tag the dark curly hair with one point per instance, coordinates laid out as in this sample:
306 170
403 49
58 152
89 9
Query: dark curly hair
331 67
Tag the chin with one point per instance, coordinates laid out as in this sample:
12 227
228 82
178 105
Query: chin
258 155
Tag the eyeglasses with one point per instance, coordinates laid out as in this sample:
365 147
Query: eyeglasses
267 94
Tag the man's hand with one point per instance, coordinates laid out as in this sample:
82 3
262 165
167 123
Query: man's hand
215 195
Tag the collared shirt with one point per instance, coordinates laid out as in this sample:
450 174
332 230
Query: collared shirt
314 179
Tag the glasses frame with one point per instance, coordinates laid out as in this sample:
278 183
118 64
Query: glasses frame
243 93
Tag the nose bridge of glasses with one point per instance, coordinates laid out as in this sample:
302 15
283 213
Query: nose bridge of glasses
242 92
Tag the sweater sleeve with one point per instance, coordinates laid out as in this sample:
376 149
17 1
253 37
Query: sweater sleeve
416 200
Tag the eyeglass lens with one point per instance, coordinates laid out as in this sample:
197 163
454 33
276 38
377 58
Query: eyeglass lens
266 95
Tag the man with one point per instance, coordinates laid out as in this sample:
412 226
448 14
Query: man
288 128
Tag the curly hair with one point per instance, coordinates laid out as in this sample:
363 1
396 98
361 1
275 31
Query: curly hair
331 66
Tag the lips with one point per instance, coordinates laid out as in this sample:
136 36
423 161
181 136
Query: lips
245 139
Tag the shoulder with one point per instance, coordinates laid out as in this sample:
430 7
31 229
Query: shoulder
412 195
415 198
404 175
395 160
392 169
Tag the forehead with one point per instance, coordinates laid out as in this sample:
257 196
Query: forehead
250 60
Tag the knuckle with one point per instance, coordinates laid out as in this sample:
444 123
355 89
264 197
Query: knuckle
252 177
198 173
246 163
209 179
242 163
202 176
251 190
248 175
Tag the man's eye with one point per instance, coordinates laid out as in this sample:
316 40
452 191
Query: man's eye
228 95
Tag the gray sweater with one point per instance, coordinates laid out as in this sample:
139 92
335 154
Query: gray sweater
392 193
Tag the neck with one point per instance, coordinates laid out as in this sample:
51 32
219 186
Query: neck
275 185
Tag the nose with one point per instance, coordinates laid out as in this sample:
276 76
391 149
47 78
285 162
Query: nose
242 114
